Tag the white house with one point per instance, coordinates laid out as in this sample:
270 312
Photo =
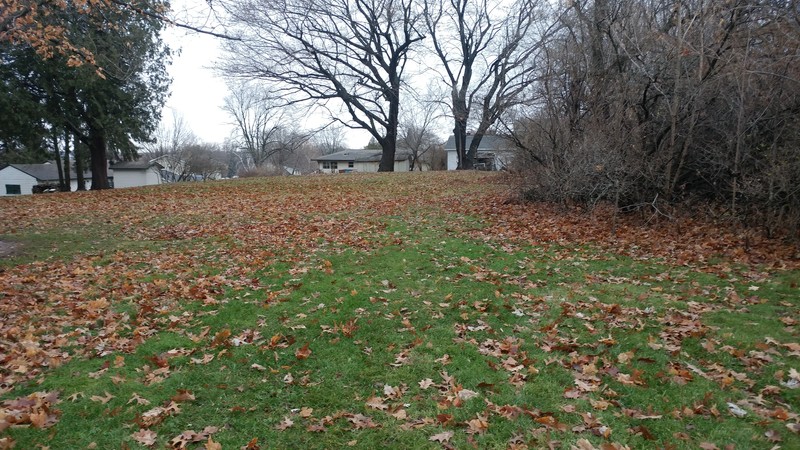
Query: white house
142 172
359 161
17 179
494 153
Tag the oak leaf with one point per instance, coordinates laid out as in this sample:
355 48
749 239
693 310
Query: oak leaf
145 437
444 436
102 399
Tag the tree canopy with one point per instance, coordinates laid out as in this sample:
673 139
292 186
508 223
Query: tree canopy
107 105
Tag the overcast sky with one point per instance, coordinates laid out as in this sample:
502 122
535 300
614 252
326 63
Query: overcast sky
197 92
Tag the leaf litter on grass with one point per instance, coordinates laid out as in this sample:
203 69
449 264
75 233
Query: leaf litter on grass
567 337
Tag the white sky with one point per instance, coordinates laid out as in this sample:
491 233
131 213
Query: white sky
197 92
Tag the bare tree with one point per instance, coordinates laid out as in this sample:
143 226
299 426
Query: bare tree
485 49
205 161
169 145
258 119
418 121
646 102
350 51
329 139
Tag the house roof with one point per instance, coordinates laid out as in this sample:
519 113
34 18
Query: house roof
488 143
139 164
360 156
46 172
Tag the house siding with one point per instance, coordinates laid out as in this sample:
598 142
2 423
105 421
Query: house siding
133 178
399 166
12 175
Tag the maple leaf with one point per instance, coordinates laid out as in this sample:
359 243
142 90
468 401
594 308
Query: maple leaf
306 412
444 436
145 437
303 352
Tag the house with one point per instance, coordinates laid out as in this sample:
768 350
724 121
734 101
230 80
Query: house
348 161
142 172
16 179
494 153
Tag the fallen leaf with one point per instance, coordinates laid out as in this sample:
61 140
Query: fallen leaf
211 445
104 399
145 437
285 423
426 383
303 352
444 436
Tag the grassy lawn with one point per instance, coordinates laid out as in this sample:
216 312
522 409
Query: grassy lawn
391 311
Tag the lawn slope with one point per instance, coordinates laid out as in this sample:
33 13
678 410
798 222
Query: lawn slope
420 310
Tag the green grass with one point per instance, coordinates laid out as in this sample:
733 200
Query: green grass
421 291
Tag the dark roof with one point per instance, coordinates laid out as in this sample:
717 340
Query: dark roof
488 143
360 156
46 172
139 164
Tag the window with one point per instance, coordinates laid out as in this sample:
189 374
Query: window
13 189
330 165
351 164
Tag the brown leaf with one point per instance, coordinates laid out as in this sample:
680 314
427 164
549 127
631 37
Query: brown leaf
583 444
444 436
285 423
377 403
252 445
478 425
38 419
221 338
773 436
183 395
145 437
104 399
361 421
303 352
211 445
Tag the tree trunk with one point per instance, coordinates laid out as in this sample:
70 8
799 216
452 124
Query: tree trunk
79 170
97 154
389 144
58 163
66 187
460 136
